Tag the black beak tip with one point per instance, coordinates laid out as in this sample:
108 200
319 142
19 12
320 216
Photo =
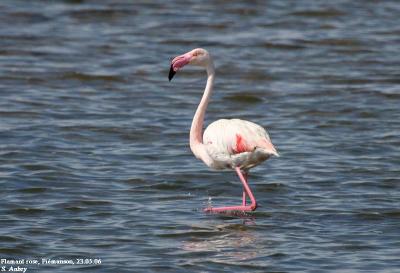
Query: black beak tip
171 73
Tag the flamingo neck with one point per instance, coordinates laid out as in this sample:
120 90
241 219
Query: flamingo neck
196 130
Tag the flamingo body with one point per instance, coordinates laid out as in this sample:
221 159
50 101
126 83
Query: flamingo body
235 143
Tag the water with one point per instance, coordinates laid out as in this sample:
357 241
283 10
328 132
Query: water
94 149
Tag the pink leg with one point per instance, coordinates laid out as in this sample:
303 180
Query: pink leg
244 191
247 191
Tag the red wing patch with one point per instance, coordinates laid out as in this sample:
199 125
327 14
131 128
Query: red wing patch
240 145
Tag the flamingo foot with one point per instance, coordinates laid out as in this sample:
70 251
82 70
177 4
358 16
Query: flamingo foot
231 208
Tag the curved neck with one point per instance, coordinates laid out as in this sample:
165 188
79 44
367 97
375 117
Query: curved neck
196 130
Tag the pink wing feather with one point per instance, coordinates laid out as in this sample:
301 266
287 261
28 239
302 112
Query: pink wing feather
241 145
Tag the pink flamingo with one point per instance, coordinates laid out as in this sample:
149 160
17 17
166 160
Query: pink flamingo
226 144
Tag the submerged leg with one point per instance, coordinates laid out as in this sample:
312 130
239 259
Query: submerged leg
247 191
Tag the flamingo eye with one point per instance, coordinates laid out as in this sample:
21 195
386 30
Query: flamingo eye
197 54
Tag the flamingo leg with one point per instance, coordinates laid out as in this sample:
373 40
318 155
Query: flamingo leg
244 191
247 191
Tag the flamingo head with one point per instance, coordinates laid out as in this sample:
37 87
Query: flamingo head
198 57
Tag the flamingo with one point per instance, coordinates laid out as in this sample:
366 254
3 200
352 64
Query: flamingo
226 143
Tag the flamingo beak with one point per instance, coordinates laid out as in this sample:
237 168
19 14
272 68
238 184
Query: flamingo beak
171 73
177 63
